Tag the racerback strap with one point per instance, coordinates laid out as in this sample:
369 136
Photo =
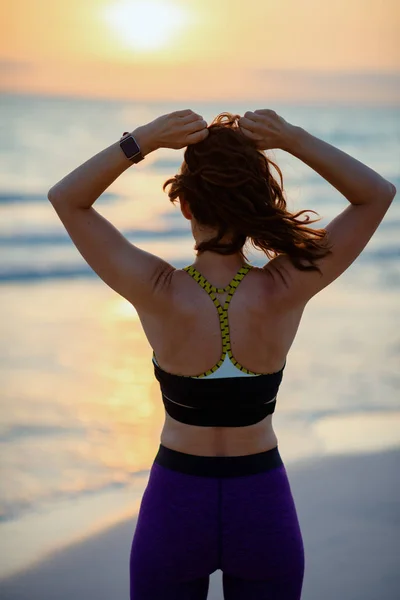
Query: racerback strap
222 310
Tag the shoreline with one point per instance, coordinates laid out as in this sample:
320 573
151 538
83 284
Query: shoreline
349 512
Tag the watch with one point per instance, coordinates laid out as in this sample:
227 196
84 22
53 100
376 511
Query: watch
130 147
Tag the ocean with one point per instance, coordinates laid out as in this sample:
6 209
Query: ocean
81 412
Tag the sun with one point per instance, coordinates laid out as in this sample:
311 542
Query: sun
145 24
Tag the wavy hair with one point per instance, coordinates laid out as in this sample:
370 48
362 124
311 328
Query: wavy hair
228 185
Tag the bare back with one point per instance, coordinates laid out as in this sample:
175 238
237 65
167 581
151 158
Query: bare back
187 341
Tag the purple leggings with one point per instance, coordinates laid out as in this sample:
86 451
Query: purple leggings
199 514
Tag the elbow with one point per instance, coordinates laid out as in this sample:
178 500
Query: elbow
385 191
53 196
390 190
50 195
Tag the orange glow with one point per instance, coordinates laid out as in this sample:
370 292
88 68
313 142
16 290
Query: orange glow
197 49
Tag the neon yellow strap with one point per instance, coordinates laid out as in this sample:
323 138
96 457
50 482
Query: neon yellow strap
222 311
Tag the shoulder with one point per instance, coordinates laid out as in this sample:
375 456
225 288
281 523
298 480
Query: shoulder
270 278
182 290
279 271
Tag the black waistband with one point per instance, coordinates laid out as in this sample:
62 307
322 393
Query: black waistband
218 466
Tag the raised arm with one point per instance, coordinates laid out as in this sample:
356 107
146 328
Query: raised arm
370 196
133 273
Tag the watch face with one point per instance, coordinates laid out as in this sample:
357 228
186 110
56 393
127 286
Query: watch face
130 147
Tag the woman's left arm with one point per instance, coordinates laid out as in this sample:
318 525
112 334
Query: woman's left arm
133 273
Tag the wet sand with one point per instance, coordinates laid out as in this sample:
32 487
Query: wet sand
349 511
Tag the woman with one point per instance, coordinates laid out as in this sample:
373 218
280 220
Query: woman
218 495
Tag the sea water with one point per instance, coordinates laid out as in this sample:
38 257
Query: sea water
81 411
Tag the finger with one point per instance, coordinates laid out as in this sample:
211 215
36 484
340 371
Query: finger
265 111
247 123
182 113
252 116
250 134
194 126
190 118
197 136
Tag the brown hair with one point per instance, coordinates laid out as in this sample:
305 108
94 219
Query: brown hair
228 184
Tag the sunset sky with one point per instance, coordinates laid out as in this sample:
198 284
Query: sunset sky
203 49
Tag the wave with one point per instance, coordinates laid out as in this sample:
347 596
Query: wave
167 163
29 198
16 432
35 272
38 274
62 238
12 510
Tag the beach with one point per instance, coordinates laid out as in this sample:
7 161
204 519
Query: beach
349 512
81 411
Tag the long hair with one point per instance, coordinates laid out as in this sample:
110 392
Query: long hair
228 185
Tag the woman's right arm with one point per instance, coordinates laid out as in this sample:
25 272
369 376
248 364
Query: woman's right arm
370 196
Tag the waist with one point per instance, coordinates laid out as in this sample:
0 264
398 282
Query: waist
218 441
218 466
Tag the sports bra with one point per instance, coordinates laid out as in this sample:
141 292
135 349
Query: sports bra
228 394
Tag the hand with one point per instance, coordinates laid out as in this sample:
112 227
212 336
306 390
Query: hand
174 130
266 128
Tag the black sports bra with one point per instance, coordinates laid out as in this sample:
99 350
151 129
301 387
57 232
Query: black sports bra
228 394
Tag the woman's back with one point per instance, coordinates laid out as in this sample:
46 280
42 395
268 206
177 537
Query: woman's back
187 341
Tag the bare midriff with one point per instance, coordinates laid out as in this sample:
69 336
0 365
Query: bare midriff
218 441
